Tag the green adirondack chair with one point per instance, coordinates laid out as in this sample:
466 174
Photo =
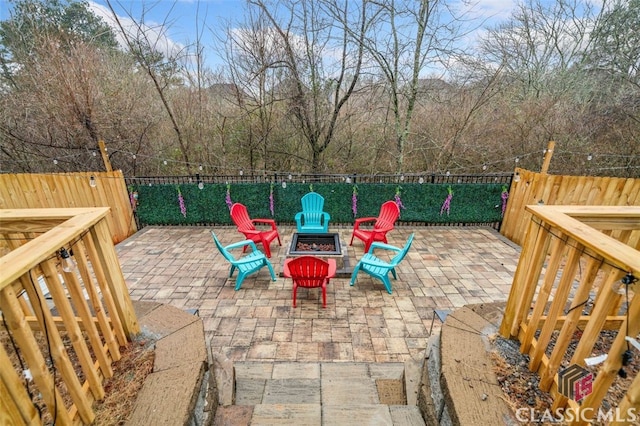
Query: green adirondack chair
246 265
379 268
312 220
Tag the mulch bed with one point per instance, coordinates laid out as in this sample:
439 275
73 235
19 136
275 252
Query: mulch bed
520 386
130 372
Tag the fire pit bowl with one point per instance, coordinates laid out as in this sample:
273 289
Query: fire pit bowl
321 245
315 245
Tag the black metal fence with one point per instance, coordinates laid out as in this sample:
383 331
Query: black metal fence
421 178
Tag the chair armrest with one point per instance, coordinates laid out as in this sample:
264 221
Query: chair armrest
361 220
247 232
327 216
298 216
242 244
332 268
382 246
266 222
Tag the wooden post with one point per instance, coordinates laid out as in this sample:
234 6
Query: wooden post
105 156
547 158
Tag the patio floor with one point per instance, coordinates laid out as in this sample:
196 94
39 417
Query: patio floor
446 268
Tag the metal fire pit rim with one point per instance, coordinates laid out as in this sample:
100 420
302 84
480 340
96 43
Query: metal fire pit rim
297 236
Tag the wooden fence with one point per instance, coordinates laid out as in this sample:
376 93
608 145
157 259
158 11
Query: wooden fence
531 188
53 314
71 190
565 293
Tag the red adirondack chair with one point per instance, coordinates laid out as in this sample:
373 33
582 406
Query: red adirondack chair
247 226
385 222
310 271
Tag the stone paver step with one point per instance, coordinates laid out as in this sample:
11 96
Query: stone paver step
319 394
318 415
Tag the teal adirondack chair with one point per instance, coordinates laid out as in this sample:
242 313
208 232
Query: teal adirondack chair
379 268
246 265
312 220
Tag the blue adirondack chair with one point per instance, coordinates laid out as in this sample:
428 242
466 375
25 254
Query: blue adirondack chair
246 265
379 268
312 220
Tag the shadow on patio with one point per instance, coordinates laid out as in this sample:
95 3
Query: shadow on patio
446 268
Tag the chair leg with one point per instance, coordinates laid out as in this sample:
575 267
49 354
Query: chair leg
351 243
273 275
387 283
233 268
355 273
267 249
239 280
295 290
324 295
393 272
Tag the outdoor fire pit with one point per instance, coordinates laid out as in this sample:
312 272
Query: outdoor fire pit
315 244
321 245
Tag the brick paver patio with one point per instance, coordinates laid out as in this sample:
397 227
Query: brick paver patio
445 268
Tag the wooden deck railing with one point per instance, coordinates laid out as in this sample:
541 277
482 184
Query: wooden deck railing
572 262
52 315
529 188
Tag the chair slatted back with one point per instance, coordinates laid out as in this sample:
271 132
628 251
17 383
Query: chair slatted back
312 202
308 271
401 254
224 251
389 213
240 217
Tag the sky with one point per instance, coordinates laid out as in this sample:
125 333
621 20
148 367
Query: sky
176 19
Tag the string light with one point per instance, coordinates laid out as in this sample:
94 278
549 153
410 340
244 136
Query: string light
421 180
68 264
200 185
284 184
200 167
92 181
516 177
499 163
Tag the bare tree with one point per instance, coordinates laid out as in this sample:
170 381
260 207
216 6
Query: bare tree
408 37
253 59
321 63
162 70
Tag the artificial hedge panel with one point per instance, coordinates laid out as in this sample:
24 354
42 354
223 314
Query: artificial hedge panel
471 203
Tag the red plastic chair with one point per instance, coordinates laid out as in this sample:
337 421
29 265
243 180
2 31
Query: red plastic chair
247 226
385 222
310 271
